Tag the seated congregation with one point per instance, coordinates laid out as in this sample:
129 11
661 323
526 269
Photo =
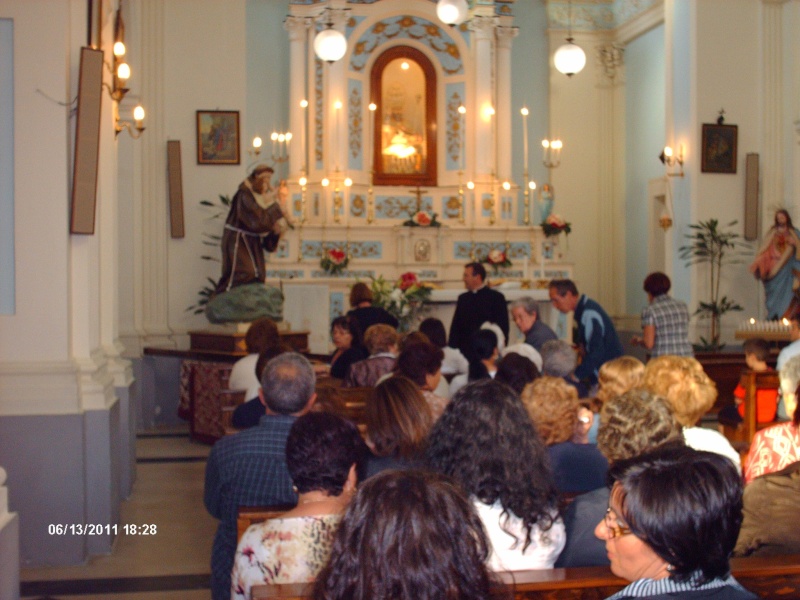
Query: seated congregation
431 491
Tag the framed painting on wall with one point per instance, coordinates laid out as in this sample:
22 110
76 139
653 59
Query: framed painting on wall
217 137
719 148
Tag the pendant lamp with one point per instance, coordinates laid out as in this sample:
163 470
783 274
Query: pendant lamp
452 12
569 58
330 44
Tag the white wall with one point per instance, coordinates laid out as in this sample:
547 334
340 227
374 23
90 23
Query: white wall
644 127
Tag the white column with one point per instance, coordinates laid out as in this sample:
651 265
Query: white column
611 196
9 546
483 30
771 163
298 28
151 247
504 110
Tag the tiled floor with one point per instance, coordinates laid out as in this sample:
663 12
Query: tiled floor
173 564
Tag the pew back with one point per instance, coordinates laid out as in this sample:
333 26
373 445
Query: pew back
768 577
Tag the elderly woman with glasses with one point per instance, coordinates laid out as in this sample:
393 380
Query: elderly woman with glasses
672 521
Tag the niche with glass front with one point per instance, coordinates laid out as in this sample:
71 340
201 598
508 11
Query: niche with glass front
403 86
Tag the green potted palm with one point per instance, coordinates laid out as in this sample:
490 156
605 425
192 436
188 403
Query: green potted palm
713 247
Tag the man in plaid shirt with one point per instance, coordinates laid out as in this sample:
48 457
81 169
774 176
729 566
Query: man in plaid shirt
249 468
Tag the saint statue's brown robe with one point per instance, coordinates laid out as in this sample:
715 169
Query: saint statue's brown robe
248 229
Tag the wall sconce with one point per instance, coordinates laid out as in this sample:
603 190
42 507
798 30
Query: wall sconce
668 158
138 124
255 146
120 71
551 153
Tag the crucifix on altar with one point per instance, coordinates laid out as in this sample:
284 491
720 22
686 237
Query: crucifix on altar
418 193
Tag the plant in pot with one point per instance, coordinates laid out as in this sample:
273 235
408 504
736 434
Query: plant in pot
711 245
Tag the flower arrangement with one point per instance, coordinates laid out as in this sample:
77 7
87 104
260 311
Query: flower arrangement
334 261
554 224
497 259
404 299
422 218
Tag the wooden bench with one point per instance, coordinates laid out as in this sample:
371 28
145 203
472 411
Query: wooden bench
229 400
250 515
768 577
752 381
348 403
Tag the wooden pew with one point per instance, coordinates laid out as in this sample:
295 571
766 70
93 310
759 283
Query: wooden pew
348 403
250 515
229 400
768 577
751 381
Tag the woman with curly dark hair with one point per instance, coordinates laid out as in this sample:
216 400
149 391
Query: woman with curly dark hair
407 534
487 443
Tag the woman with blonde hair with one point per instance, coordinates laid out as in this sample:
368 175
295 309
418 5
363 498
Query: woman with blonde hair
690 393
619 375
553 406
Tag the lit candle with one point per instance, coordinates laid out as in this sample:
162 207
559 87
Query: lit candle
303 140
524 112
336 107
545 149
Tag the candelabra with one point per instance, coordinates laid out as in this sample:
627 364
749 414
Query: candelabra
551 153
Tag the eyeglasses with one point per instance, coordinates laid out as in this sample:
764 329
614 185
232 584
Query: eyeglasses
615 530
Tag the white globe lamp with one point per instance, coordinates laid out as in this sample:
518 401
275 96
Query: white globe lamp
569 58
452 12
330 45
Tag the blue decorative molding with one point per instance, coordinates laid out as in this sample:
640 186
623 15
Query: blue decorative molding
516 250
508 273
343 275
486 205
285 274
337 305
354 22
449 207
282 251
455 144
506 207
428 274
297 205
408 27
318 112
355 125
358 205
593 17
399 207
313 249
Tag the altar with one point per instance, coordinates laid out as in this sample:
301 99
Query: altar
400 156
314 296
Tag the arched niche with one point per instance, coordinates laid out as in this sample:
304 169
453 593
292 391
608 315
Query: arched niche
403 86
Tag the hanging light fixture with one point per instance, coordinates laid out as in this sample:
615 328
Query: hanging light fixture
330 44
569 58
452 12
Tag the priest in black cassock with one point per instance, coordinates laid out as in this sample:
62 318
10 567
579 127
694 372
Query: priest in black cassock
478 304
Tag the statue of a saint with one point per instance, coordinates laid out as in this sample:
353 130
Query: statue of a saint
778 267
254 225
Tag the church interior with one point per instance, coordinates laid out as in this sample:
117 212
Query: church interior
416 121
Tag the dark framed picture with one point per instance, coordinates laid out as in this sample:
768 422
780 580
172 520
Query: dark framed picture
217 137
719 148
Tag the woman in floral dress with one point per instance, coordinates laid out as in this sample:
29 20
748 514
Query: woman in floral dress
321 452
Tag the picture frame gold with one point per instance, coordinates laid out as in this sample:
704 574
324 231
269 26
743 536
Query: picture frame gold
218 137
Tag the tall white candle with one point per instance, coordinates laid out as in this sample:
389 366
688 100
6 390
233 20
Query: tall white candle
524 112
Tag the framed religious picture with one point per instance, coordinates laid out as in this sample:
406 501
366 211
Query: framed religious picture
217 137
719 148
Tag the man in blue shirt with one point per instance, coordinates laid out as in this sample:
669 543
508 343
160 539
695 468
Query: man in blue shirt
596 334
249 468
